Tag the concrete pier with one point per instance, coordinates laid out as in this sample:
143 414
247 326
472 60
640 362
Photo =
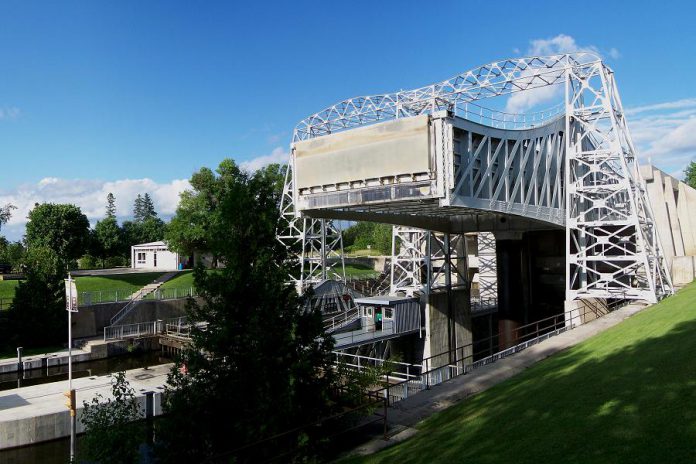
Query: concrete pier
35 414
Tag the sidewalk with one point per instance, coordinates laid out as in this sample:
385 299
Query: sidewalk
407 413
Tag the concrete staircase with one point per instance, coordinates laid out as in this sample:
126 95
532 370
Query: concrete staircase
138 296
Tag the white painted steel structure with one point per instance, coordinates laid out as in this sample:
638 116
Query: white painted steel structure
571 167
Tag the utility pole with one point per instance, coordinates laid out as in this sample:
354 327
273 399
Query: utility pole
71 403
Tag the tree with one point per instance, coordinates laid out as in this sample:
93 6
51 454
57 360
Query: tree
138 208
107 238
361 234
111 206
38 308
112 434
60 227
263 361
6 213
11 253
690 174
148 208
189 229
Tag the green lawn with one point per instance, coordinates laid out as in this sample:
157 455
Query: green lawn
359 270
121 282
183 279
7 289
627 395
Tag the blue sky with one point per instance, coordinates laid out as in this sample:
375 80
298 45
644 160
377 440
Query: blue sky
133 96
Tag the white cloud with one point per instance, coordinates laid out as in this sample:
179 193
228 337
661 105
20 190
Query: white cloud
90 196
278 155
665 133
523 101
9 113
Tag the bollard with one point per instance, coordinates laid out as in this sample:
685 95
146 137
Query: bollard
20 365
149 414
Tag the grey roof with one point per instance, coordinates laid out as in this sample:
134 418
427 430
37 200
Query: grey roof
384 300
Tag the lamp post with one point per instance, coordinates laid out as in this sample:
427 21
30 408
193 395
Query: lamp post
71 307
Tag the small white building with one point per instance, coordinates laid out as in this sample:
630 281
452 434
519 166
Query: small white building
154 256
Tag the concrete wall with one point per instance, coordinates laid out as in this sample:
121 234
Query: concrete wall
674 206
91 320
437 335
683 270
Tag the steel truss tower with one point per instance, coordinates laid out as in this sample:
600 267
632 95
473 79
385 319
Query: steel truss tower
317 243
611 239
424 261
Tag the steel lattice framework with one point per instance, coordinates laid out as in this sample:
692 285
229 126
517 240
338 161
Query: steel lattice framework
612 245
426 261
317 243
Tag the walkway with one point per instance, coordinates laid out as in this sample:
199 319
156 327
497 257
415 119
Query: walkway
407 413
38 413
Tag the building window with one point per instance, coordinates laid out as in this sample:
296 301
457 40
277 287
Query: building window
141 258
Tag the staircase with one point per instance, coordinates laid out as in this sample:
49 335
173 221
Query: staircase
138 296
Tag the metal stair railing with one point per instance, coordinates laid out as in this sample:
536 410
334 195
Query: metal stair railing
341 320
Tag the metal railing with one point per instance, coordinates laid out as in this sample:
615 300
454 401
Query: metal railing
408 379
141 329
341 320
123 295
144 329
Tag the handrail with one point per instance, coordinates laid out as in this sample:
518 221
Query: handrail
463 359
341 319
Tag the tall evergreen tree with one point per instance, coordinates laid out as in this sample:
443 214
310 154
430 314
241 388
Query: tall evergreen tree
111 206
148 207
138 209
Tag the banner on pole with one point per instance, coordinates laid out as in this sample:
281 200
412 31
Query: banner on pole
70 296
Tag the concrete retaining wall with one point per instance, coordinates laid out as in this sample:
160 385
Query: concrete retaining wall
91 320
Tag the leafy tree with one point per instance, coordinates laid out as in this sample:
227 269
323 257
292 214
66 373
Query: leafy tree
361 234
111 206
107 237
189 229
38 308
6 213
60 227
262 361
112 434
690 174
148 230
11 253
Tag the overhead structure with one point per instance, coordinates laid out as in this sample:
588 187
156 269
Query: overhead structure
433 158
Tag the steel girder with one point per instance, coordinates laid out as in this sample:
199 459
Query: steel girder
612 245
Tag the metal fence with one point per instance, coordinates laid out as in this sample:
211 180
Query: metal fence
408 379
175 326
118 296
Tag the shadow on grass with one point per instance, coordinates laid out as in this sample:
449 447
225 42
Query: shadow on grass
626 395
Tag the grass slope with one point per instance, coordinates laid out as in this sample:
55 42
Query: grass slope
627 395
121 282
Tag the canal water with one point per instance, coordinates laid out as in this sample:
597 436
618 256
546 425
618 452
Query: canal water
84 369
58 451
